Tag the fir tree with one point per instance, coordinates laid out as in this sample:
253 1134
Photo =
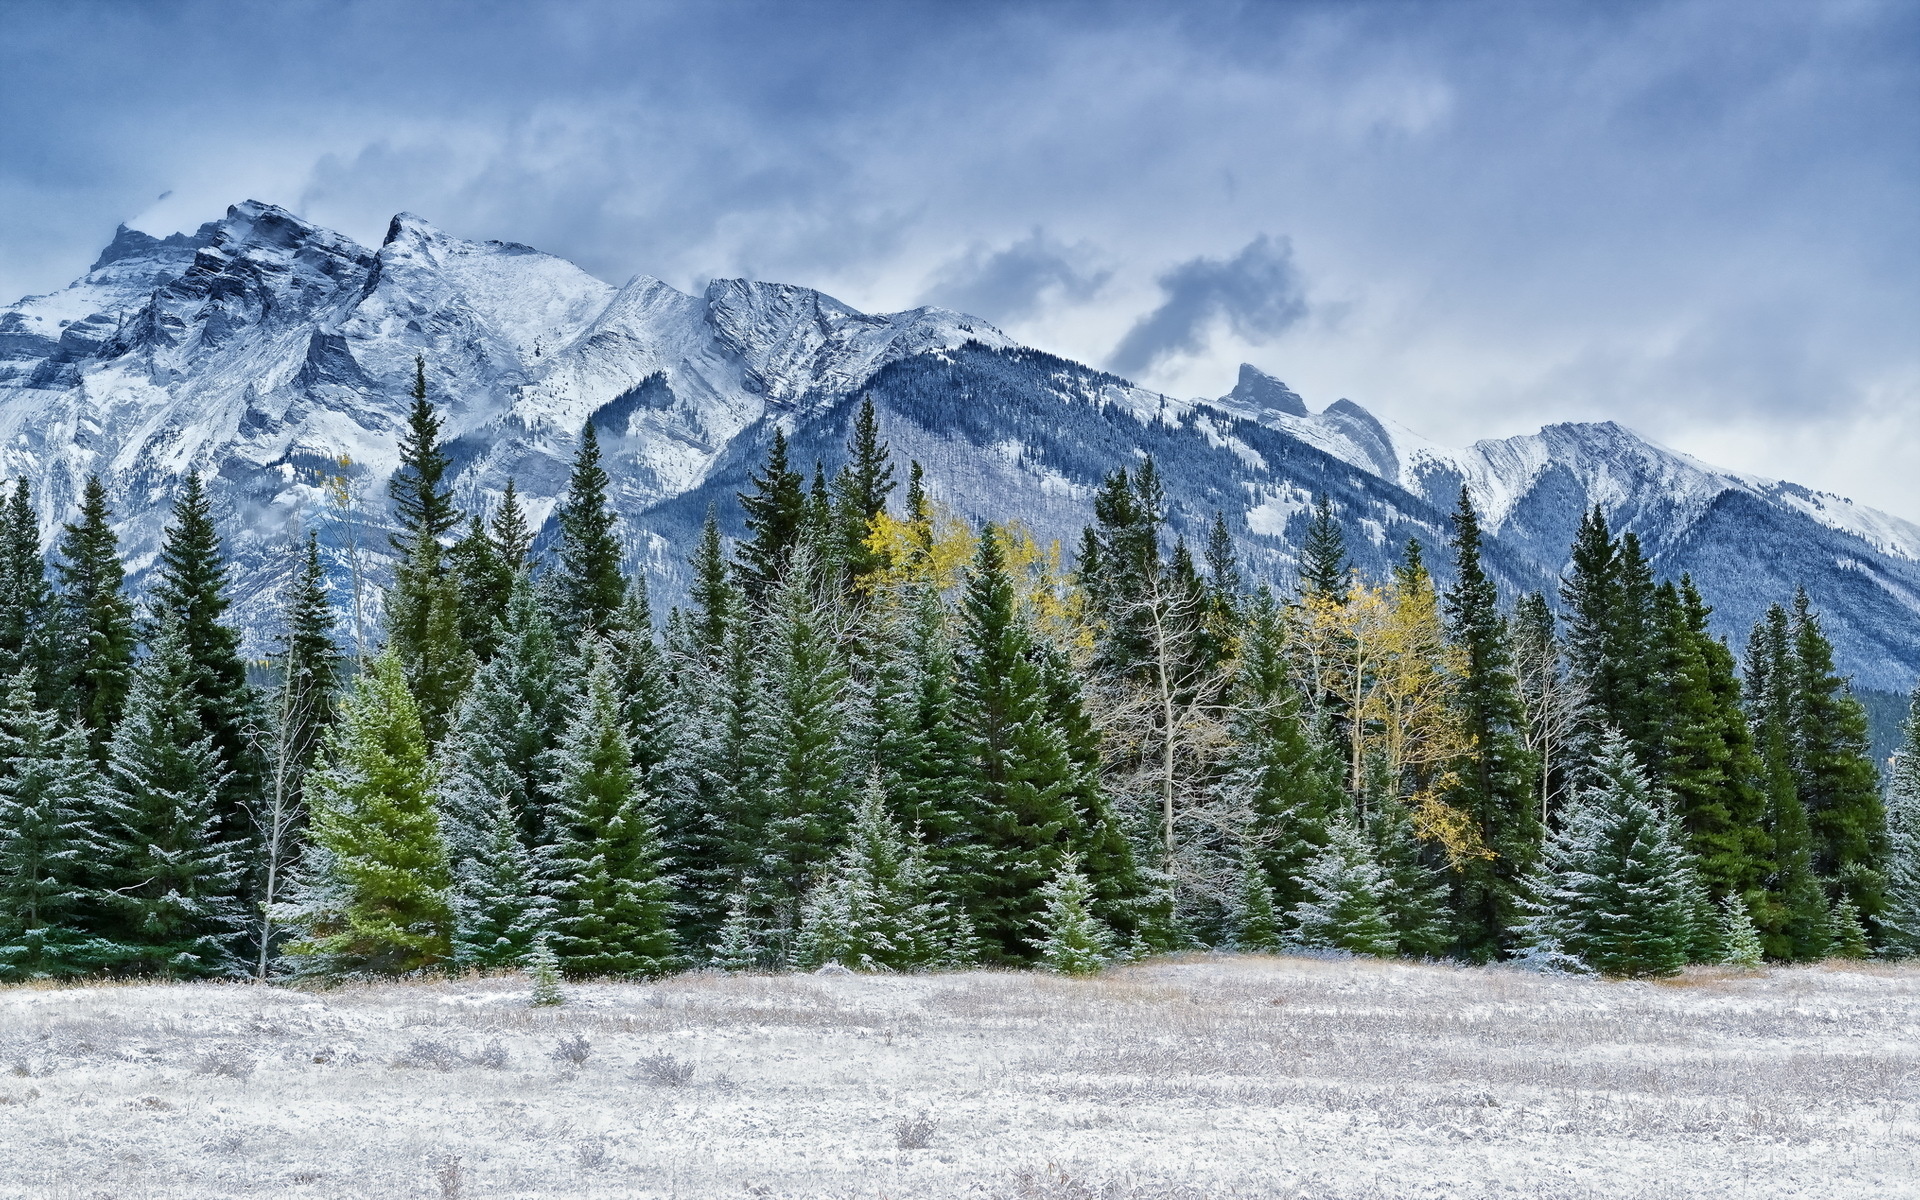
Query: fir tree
191 591
499 912
1072 940
1323 553
376 899
775 511
588 575
611 906
171 883
49 807
1495 788
99 617
1612 886
1340 906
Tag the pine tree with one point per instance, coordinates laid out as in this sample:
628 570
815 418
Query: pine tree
1612 886
99 617
1072 940
1323 553
611 905
424 619
775 511
508 723
171 884
49 848
1495 788
588 574
375 902
192 591
1834 774
1340 906
499 912
1020 770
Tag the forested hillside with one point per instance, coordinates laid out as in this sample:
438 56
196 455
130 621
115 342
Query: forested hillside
879 736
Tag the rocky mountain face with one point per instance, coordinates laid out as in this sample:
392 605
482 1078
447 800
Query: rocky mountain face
277 358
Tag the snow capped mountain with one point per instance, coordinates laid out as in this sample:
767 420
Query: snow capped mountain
278 358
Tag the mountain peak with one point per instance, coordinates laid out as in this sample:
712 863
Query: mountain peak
1258 390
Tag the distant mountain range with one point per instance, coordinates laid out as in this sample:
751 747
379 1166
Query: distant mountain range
273 354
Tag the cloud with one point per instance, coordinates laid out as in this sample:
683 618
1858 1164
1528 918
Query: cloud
1018 280
1258 293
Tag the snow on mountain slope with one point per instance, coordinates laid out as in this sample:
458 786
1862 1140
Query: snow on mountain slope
278 357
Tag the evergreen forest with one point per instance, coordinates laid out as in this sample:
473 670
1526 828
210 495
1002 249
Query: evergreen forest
879 738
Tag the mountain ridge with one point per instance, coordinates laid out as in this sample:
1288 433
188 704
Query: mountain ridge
278 356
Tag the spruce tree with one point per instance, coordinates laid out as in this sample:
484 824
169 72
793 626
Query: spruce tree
1275 769
603 869
31 633
171 887
869 911
1414 898
643 681
1899 924
191 591
1256 916
588 575
1340 906
800 734
424 619
499 912
483 580
775 511
1834 773
49 847
861 489
99 617
1020 770
1496 776
715 598
1323 553
508 723
1072 940
1739 940
375 901
1612 887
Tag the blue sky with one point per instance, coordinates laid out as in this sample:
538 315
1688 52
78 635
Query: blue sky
1700 218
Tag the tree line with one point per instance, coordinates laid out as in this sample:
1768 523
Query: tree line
880 737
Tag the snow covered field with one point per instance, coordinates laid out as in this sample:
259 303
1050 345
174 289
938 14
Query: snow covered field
1199 1077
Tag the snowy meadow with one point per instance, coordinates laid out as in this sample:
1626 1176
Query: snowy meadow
1186 1077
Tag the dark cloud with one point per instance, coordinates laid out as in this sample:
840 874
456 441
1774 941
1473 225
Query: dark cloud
1496 195
1258 294
1015 281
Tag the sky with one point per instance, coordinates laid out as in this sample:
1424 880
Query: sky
1699 218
